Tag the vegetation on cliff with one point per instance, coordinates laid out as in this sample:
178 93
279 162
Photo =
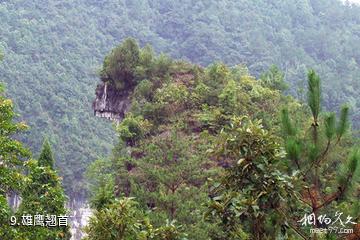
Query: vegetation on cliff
214 151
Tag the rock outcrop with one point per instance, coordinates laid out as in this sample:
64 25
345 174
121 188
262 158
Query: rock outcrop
111 103
80 213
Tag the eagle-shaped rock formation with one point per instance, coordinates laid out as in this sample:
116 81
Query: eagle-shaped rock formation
111 103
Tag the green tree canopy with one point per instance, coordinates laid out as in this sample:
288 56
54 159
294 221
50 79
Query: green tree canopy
43 195
124 220
12 156
119 67
46 158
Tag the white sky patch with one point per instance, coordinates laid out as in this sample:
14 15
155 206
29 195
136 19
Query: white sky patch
353 1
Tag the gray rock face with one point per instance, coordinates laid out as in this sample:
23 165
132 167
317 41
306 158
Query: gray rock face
111 103
80 213
14 201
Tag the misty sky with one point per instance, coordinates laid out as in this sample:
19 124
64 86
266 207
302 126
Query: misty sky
354 1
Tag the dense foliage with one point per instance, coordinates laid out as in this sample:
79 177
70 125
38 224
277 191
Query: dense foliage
53 50
43 194
190 128
216 150
12 152
267 190
127 221
247 197
35 182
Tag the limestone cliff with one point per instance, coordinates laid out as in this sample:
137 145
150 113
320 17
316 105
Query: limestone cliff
111 103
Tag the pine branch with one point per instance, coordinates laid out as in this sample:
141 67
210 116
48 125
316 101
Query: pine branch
314 95
343 125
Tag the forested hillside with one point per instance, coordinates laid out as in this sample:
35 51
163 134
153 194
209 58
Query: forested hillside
213 153
54 49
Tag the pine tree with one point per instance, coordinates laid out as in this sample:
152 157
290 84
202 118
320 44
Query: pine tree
46 158
43 195
320 156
